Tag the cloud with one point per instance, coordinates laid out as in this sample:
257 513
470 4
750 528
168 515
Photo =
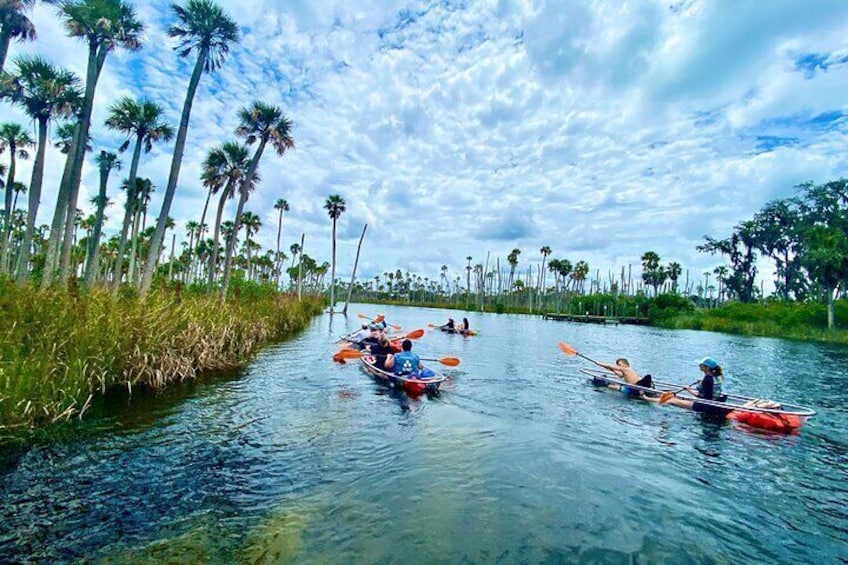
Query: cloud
601 129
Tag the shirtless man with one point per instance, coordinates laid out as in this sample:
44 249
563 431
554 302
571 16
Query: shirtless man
622 370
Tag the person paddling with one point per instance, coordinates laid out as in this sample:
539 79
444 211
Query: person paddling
625 372
449 327
708 389
464 327
406 362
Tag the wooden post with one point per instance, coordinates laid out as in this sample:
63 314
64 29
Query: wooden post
300 269
353 275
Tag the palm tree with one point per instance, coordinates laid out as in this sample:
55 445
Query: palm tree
264 124
334 205
14 24
545 251
283 206
106 163
224 169
251 223
17 140
206 28
512 259
45 93
674 271
104 25
142 190
143 122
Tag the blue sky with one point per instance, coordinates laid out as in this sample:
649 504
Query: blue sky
600 129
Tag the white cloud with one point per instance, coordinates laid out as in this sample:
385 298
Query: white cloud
602 129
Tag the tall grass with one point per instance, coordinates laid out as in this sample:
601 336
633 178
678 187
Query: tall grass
59 347
792 320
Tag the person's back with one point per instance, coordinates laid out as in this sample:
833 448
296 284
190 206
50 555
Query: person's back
381 351
406 362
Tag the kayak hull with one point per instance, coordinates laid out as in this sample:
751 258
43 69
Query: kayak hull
429 383
787 419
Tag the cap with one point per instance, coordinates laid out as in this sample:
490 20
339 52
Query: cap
708 362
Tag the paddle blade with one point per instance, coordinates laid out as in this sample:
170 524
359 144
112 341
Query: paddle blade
432 326
666 396
348 354
363 316
567 349
394 327
415 334
449 361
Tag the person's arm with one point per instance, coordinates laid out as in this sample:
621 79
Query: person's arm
611 368
390 361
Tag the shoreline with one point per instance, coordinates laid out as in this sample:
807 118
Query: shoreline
61 348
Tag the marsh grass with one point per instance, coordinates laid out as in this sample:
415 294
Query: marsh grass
791 320
59 348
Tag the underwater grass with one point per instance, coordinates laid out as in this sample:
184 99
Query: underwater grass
60 347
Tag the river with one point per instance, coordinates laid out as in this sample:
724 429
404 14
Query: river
518 460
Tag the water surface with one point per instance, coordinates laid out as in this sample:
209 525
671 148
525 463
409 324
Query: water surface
519 460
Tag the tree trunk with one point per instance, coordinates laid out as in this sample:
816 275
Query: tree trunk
22 268
171 262
333 270
136 231
831 318
213 256
277 256
300 268
92 76
173 177
5 40
94 243
7 212
243 194
196 271
353 276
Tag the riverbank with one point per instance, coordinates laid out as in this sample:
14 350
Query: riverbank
59 348
787 320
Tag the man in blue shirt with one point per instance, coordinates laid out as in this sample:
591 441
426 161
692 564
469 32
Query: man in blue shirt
406 362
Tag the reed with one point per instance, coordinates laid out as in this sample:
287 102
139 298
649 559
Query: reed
60 347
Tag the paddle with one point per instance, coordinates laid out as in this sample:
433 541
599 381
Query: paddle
568 350
351 354
414 334
668 395
364 317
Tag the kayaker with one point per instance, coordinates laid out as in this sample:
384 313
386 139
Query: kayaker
406 362
708 389
373 337
464 327
625 372
360 334
381 351
450 326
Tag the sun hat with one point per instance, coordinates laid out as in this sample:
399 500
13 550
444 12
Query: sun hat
708 362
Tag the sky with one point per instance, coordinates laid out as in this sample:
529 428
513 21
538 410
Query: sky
601 129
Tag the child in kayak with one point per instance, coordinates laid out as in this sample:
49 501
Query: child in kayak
623 371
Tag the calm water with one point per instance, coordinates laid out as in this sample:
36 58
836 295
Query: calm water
518 461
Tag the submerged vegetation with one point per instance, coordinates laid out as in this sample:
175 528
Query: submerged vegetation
60 347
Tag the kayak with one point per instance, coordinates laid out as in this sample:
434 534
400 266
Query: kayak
456 331
756 413
427 381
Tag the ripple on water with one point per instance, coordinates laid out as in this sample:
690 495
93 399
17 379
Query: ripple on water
518 460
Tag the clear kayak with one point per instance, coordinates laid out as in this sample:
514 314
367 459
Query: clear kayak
427 381
777 416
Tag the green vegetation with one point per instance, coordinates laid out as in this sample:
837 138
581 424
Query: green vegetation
60 347
792 320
